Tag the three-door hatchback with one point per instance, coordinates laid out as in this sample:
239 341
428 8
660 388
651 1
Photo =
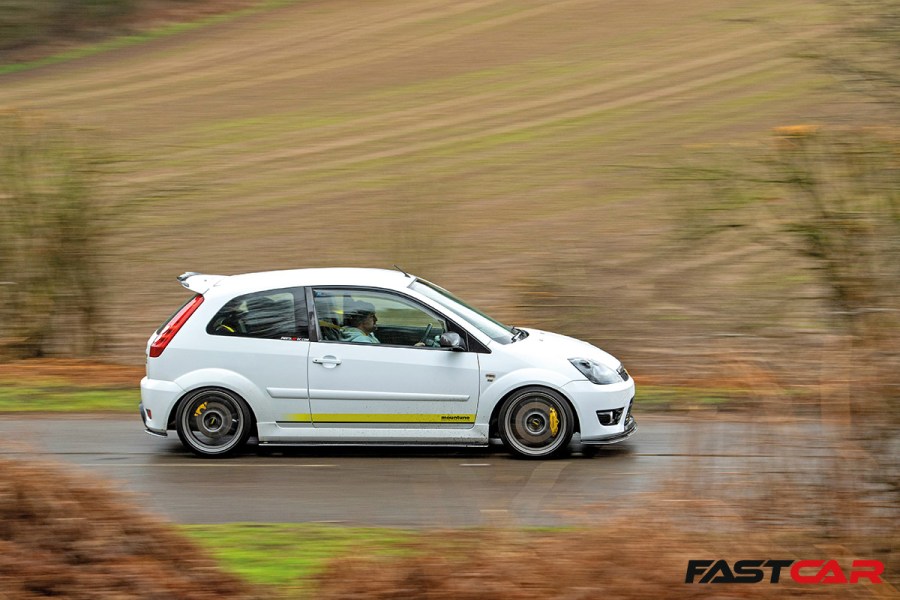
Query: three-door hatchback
369 356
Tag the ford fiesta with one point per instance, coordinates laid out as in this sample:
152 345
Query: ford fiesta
369 356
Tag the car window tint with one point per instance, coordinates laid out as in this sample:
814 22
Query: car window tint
273 314
400 321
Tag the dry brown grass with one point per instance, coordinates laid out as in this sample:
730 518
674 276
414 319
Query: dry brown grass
69 535
643 555
70 371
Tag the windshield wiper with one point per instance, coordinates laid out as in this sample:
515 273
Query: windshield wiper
518 334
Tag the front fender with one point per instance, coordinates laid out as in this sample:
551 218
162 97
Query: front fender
492 393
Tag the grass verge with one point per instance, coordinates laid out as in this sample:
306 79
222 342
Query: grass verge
58 397
327 561
686 398
286 555
53 397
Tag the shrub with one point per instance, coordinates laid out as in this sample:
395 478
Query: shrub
27 22
53 222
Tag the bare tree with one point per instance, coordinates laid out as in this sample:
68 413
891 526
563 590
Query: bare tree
841 202
865 53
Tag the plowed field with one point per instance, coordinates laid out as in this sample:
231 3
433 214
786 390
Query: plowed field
511 151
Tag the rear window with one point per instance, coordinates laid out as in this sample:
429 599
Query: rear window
273 314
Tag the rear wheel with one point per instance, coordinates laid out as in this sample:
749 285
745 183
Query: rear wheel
213 422
536 423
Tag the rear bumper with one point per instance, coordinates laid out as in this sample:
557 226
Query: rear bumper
154 432
157 399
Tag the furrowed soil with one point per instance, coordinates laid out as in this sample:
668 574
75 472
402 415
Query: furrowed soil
515 153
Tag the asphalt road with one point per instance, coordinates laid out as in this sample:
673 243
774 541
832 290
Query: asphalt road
414 487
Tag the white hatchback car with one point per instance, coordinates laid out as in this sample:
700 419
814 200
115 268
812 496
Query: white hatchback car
369 356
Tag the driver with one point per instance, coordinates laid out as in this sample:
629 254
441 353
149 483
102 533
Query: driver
360 323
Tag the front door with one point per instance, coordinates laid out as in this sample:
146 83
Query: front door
378 364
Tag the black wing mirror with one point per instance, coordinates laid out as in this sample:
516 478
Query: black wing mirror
453 341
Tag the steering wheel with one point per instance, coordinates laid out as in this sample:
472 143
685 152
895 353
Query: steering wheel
427 331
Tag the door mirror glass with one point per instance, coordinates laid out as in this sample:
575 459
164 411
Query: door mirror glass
453 341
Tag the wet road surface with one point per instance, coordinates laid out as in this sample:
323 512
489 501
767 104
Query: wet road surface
412 487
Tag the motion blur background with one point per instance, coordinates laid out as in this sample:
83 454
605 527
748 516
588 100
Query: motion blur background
709 190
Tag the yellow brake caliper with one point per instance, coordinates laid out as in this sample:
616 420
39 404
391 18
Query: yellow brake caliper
554 422
200 409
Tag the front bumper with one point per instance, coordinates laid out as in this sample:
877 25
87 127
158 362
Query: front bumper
598 405
630 427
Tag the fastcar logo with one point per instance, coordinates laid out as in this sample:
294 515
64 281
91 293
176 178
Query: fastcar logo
801 571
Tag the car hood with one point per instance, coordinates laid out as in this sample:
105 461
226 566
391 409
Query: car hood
546 342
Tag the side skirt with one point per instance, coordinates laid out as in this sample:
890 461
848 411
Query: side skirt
273 433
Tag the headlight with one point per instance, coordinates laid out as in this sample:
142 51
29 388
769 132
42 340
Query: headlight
595 372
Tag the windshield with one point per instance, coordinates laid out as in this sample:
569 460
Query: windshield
494 329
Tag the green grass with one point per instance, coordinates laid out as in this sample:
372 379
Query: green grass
59 398
285 554
54 398
662 398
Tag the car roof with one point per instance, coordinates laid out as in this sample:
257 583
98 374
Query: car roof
267 280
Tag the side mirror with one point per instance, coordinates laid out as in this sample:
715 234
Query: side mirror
453 341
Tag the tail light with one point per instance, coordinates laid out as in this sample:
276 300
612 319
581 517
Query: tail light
175 323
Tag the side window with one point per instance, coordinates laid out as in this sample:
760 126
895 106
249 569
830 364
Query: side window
373 317
273 314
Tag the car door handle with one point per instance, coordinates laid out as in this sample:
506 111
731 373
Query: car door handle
328 361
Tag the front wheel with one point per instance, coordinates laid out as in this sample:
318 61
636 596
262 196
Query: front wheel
213 422
536 423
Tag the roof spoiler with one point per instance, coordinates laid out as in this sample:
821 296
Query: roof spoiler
199 282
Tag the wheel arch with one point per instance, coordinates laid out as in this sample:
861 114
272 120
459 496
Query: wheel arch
215 379
493 430
173 412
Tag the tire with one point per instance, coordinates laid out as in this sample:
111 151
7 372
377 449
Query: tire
536 422
213 422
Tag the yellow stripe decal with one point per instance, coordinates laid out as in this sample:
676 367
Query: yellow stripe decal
362 418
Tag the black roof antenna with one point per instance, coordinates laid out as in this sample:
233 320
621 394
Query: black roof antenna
402 271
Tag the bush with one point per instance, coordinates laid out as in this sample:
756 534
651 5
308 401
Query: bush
54 221
27 22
